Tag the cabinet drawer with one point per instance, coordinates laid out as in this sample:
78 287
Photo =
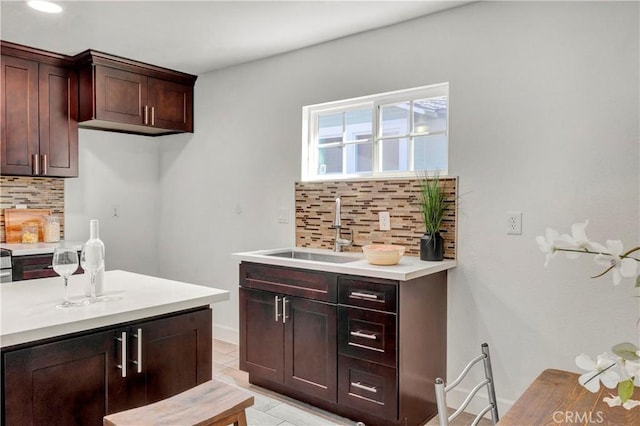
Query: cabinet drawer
35 266
287 281
367 293
368 387
367 335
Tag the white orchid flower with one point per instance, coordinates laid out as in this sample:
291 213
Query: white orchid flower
547 244
615 401
577 240
610 256
599 371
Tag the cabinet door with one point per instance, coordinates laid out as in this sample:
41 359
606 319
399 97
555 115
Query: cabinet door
310 347
173 355
18 115
171 103
120 96
261 335
71 382
58 89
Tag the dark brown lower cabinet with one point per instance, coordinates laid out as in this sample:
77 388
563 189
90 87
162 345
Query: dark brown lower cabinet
290 340
365 348
78 380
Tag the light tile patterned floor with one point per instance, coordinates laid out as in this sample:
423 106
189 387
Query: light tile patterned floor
271 409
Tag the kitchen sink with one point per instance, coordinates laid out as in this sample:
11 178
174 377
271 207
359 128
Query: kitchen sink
318 257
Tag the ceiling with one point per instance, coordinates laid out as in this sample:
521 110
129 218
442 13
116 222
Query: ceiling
200 36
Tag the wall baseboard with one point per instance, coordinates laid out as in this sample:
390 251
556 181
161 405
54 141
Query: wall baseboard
226 334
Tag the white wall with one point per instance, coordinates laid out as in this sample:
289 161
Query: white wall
544 119
117 170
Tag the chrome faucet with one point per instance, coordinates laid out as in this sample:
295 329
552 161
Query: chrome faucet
339 242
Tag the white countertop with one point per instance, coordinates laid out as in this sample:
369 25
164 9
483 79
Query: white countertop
19 249
28 308
408 268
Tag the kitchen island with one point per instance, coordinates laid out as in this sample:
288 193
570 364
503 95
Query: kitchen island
150 340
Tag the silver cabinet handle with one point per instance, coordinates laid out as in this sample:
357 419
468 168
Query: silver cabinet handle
146 114
123 353
138 360
363 295
44 164
359 385
363 335
153 116
277 302
5 274
35 164
284 310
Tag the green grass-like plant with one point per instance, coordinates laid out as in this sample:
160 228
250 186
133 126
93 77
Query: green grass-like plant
433 205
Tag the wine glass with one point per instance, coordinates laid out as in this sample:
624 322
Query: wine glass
92 260
65 263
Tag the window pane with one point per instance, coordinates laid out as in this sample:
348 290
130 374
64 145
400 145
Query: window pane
359 158
358 124
329 128
395 119
430 152
430 115
330 160
395 155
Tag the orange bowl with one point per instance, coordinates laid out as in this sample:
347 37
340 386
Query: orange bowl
383 254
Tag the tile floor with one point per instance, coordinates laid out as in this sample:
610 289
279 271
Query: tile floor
273 409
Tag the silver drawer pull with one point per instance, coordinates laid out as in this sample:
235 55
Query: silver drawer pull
363 335
138 361
123 353
276 303
364 295
359 385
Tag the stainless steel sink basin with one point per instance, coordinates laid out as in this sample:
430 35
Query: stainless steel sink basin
318 257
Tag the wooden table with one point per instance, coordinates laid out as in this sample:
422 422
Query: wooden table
556 398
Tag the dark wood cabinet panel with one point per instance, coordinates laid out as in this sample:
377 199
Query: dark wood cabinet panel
78 380
261 335
58 118
122 95
368 335
71 382
289 340
310 347
119 95
20 139
171 104
39 110
176 356
368 387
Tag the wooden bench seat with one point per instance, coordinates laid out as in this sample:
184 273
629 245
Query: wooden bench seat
210 404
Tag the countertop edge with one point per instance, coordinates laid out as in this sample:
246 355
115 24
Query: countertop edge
60 330
414 268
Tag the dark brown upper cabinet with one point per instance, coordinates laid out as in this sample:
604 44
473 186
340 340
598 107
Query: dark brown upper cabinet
39 113
122 95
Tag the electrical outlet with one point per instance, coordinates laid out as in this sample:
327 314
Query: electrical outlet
385 221
283 215
514 223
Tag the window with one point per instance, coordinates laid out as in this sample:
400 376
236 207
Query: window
389 134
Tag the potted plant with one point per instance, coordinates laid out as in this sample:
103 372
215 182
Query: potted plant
433 207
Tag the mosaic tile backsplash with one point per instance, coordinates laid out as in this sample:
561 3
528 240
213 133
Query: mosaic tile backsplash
35 193
361 203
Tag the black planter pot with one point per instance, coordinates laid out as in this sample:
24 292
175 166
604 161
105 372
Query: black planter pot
431 247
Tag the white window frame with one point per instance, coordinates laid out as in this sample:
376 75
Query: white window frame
375 102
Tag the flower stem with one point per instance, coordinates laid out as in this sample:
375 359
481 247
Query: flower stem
599 373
